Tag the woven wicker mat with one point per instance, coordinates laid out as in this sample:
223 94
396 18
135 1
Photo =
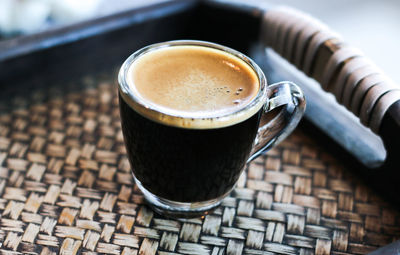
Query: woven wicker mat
66 187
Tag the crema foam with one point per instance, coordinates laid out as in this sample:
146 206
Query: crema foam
193 79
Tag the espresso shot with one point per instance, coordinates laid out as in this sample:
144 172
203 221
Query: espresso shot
192 164
190 114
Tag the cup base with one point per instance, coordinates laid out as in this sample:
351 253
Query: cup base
177 210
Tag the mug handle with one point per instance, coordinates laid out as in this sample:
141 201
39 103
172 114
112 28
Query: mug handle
290 97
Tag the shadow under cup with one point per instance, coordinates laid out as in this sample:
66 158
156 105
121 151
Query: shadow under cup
186 165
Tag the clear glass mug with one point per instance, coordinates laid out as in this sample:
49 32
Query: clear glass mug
185 166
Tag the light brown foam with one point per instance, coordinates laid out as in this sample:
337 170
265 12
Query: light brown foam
193 81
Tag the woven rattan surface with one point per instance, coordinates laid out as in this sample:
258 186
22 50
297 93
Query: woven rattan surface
66 187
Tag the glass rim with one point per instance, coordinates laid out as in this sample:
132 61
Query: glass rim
178 119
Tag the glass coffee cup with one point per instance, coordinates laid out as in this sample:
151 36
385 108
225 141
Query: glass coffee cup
193 113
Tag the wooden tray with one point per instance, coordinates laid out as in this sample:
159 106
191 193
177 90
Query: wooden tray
65 182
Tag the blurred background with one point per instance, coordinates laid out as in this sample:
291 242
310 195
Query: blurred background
370 25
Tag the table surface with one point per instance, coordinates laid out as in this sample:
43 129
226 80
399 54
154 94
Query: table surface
66 187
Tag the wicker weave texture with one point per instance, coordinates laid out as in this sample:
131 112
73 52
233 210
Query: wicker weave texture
66 188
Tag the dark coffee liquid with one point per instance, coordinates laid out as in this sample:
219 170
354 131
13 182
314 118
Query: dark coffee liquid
186 165
197 158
